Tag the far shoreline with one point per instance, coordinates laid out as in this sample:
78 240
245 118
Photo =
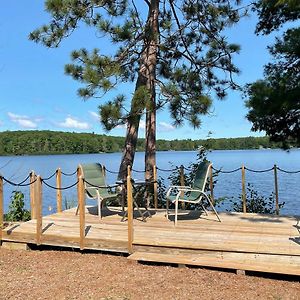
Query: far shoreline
192 150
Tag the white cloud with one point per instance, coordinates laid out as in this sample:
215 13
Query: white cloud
94 116
163 126
71 122
22 120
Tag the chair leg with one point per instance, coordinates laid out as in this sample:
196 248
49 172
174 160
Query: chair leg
213 208
77 209
204 209
99 209
167 209
176 211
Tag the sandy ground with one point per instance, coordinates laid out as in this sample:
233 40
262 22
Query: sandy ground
51 274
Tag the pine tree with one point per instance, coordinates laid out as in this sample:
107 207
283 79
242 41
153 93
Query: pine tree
173 50
274 102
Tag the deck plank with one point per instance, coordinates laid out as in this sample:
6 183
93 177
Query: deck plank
242 241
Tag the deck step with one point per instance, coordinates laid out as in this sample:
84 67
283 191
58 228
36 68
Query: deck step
14 245
281 264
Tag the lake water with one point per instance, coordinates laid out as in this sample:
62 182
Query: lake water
16 168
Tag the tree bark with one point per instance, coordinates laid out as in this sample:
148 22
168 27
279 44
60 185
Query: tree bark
146 78
130 145
150 139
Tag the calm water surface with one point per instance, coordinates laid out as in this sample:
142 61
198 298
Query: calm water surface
16 168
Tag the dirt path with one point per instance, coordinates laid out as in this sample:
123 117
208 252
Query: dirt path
72 275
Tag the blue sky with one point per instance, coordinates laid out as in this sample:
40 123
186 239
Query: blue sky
35 93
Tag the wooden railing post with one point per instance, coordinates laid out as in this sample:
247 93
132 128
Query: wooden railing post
79 173
58 191
181 172
32 195
155 187
276 190
81 204
38 209
211 185
244 189
1 208
129 210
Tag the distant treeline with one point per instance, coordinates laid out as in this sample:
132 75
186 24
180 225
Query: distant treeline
54 142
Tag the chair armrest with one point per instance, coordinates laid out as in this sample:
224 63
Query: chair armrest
192 190
91 187
112 186
177 188
196 190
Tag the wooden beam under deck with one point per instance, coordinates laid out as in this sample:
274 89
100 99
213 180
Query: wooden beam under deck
241 241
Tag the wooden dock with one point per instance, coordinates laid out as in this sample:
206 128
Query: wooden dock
241 241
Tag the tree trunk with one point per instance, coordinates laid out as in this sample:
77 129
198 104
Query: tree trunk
150 146
146 78
130 145
150 139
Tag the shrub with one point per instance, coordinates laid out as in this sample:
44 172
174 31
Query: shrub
17 211
256 203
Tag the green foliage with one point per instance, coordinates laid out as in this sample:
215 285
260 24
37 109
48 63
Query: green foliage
274 13
161 192
183 43
53 142
256 203
189 171
274 102
110 113
17 211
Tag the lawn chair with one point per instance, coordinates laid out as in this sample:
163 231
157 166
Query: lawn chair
194 194
95 185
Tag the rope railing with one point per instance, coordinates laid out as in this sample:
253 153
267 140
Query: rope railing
59 188
50 176
109 171
20 183
28 176
36 185
138 171
166 170
219 170
102 186
227 172
259 171
288 172
69 174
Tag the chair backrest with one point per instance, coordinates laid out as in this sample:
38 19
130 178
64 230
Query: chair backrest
200 178
94 176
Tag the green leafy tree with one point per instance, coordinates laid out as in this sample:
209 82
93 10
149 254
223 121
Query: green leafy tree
273 14
173 50
274 102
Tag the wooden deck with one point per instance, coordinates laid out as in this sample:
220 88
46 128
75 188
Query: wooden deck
241 241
